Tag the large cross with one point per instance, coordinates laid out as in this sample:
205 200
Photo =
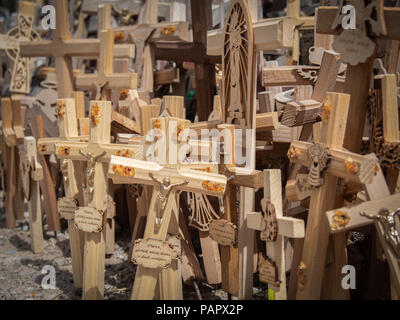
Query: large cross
168 177
274 227
326 153
63 48
91 215
105 79
21 73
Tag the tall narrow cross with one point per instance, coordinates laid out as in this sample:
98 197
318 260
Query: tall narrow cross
326 153
274 227
32 173
238 46
91 216
105 79
63 48
21 73
73 176
168 177
13 135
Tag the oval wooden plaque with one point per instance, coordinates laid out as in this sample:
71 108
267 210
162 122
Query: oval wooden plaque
224 232
153 253
67 207
88 219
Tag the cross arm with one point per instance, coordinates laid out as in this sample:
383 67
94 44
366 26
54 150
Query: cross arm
343 164
128 171
269 34
46 146
287 226
301 113
267 121
289 76
71 47
355 220
115 80
245 177
72 150
326 16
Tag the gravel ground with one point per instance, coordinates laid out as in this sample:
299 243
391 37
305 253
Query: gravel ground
21 270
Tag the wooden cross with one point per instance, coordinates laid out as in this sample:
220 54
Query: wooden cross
21 73
13 135
169 41
105 79
274 227
91 215
271 34
63 48
32 173
355 85
384 136
352 217
238 101
167 177
327 154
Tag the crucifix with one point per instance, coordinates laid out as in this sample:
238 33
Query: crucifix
326 154
63 48
105 80
168 175
92 213
274 227
21 72
32 173
382 208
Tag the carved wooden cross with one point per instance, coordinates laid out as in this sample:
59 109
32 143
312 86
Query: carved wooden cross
327 154
168 177
91 216
274 227
32 173
21 73
63 48
13 135
105 79
384 134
